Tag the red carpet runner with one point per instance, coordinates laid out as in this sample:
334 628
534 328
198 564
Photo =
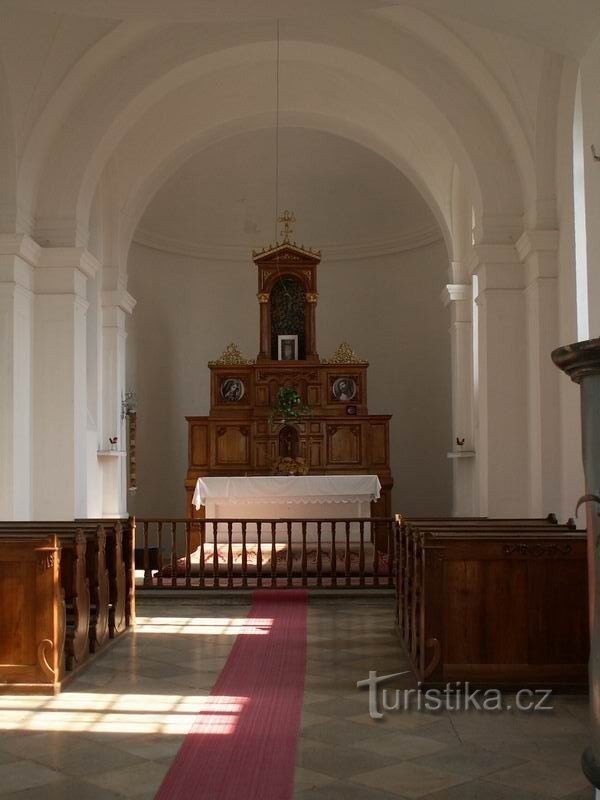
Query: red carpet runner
243 745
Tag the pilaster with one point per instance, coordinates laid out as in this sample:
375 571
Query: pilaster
459 297
117 304
501 385
538 252
60 383
16 321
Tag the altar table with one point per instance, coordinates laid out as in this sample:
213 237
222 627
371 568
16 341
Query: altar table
288 497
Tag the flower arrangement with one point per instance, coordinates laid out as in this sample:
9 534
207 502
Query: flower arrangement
288 406
290 466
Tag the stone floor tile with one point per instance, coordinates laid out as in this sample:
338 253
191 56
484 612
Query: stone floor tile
341 731
337 762
408 779
340 790
134 781
402 746
545 778
19 775
469 759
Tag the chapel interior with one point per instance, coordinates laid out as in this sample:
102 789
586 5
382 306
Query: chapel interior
299 400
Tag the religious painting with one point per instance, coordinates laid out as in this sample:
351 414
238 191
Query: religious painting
288 315
344 389
232 390
287 347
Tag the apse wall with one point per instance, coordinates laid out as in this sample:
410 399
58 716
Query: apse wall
388 308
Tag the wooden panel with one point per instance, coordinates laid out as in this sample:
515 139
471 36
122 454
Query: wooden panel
484 620
262 455
17 613
233 445
314 427
315 453
566 639
314 395
344 444
378 444
199 445
261 394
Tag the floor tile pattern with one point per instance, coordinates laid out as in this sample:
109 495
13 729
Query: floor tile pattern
114 732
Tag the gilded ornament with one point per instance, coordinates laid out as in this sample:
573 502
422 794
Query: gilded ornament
231 357
263 297
312 297
345 355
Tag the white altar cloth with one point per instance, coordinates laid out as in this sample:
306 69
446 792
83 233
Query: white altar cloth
288 497
287 489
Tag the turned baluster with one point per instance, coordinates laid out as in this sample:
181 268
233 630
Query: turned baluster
215 554
201 582
319 555
258 555
333 555
304 564
361 554
273 555
244 557
290 554
159 556
375 561
188 555
174 564
147 570
230 554
347 562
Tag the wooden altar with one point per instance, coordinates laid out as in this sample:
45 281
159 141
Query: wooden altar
338 437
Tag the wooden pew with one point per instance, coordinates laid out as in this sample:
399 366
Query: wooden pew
493 602
93 576
32 615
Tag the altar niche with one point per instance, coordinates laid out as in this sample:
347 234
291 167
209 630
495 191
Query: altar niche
240 436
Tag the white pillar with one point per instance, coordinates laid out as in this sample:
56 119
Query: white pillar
502 441
60 383
460 299
116 304
538 252
17 253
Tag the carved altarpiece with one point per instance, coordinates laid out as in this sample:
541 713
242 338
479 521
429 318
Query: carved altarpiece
339 436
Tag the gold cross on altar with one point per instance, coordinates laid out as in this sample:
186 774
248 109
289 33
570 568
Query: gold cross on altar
287 218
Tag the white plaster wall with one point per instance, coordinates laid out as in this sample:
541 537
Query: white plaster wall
387 308
590 98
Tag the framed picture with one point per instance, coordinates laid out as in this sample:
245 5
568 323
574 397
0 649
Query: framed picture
232 390
287 347
344 389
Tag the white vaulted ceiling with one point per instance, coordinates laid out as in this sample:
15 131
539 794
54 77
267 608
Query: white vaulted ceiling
347 199
566 26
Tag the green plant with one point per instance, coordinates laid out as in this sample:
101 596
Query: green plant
288 406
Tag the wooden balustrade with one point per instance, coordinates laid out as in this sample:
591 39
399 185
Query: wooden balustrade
493 602
277 553
78 596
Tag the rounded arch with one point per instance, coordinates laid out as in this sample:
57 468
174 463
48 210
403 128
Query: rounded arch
142 190
482 153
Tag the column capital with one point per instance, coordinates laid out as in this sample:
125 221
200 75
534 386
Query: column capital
533 241
455 292
539 252
20 245
118 298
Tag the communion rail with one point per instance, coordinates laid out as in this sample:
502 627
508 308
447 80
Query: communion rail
188 553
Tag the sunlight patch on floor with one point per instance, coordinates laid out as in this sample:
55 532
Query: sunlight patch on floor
127 713
227 626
